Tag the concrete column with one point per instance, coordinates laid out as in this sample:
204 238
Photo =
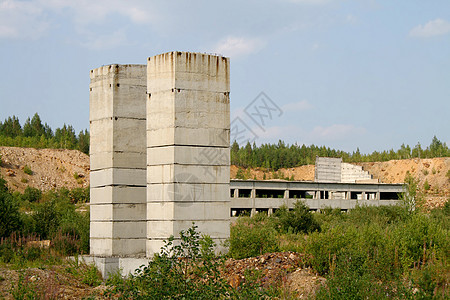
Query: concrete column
188 140
118 161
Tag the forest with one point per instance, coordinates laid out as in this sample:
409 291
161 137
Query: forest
281 155
35 134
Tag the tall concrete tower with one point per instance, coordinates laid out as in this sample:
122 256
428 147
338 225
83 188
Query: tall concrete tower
188 139
118 160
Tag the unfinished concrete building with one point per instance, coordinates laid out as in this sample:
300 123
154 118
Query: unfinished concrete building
118 160
160 160
160 136
188 140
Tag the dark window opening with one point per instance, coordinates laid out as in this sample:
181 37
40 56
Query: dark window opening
356 195
269 193
244 193
323 195
389 196
301 194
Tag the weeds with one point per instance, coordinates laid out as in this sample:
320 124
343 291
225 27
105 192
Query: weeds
27 170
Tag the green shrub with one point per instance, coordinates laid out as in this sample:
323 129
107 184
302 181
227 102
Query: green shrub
46 219
27 170
91 276
300 219
10 220
184 269
240 174
31 194
426 185
75 175
252 237
79 195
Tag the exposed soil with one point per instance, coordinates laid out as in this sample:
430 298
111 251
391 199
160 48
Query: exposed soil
50 168
56 168
53 282
431 170
282 269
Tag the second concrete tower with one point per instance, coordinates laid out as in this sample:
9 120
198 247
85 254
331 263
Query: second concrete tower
188 138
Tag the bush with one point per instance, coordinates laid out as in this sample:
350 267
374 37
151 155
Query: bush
252 237
10 220
426 185
79 195
31 194
27 170
185 269
298 220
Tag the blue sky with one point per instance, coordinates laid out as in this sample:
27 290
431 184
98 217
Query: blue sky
345 74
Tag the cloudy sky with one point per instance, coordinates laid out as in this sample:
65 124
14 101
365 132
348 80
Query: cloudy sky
345 74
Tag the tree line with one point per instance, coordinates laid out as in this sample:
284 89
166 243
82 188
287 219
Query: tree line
281 155
35 134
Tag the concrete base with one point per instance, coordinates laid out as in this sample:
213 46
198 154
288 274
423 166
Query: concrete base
111 265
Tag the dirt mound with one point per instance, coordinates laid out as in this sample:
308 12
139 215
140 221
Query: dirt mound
283 269
56 168
432 174
44 169
52 281
302 173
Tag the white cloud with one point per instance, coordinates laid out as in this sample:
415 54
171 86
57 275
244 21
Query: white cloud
238 46
297 106
107 41
430 29
276 133
31 19
337 132
19 19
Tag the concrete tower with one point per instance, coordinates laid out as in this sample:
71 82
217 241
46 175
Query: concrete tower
188 138
118 160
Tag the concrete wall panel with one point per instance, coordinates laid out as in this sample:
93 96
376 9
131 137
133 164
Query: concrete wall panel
188 155
117 230
185 136
187 174
118 212
115 176
185 211
163 229
118 194
118 159
187 192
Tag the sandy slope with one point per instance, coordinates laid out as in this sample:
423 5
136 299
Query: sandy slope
54 168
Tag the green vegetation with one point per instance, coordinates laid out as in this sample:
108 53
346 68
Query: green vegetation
27 170
34 134
51 215
368 253
426 186
276 156
186 270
